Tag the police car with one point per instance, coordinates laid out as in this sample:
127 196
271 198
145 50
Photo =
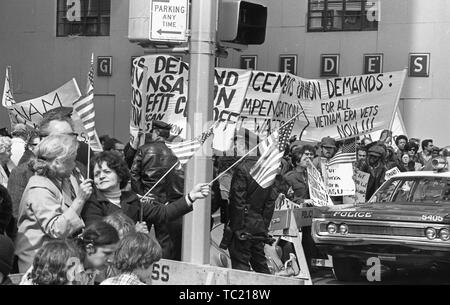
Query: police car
405 223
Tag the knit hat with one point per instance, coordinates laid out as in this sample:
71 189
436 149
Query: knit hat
6 255
377 151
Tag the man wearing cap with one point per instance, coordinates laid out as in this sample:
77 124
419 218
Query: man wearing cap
327 151
151 162
377 169
250 211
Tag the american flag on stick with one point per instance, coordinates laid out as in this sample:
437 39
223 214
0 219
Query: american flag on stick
186 149
266 168
85 109
347 154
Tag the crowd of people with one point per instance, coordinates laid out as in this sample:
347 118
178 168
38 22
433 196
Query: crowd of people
60 226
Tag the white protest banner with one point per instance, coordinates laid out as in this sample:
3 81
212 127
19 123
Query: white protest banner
391 172
398 128
262 101
345 107
361 180
317 190
138 102
30 112
229 92
339 179
160 91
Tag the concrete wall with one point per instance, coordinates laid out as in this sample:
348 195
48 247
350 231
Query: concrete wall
41 61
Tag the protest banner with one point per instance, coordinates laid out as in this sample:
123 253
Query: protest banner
339 179
138 103
160 90
346 107
229 91
361 180
397 128
159 93
391 172
30 112
317 189
261 100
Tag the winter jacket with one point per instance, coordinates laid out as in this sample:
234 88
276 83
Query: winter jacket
45 213
151 162
251 206
299 183
98 207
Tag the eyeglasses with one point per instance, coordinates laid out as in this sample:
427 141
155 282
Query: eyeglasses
412 149
74 134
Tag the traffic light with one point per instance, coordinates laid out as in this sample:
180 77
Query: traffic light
242 22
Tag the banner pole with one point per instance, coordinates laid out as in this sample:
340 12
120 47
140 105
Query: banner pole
160 179
88 158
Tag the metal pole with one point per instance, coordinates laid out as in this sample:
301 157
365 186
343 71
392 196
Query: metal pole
196 225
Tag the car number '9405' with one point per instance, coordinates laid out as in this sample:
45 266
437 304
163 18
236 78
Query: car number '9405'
432 218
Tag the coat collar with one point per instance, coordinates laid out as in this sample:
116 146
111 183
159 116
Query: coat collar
127 197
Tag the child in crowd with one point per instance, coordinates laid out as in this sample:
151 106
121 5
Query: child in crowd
97 243
57 262
134 259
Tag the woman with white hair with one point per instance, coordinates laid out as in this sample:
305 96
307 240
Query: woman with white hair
52 201
6 165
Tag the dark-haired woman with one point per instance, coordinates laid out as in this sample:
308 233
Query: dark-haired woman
111 175
52 201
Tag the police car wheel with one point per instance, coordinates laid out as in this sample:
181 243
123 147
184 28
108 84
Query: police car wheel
346 269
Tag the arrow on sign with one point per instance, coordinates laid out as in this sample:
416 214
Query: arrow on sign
160 32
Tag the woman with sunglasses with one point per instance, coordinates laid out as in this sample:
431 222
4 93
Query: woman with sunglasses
51 204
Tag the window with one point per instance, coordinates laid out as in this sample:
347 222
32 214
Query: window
83 17
342 15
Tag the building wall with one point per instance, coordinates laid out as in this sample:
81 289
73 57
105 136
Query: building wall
41 61
406 26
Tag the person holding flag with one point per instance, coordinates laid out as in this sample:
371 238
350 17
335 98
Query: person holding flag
252 201
151 162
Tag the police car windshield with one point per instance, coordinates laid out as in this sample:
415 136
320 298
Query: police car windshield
415 190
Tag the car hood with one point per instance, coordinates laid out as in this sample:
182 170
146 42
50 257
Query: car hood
388 212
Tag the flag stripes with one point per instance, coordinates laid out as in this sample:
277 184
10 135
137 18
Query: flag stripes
186 149
266 168
347 153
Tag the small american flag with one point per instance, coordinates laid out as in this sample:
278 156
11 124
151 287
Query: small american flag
186 149
266 168
85 109
347 154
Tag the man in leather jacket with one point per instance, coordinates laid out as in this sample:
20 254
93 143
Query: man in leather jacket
150 163
251 210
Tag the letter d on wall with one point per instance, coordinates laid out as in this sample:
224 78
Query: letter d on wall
329 65
73 10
